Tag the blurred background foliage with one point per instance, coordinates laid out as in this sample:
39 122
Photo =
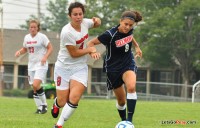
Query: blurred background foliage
169 34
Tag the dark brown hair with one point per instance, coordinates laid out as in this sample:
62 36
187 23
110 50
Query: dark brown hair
75 5
134 15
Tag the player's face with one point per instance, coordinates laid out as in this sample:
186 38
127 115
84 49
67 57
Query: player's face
76 16
126 25
33 28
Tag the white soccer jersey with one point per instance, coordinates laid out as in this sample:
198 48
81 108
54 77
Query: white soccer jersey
69 36
36 48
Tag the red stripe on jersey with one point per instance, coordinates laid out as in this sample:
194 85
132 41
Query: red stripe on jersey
82 39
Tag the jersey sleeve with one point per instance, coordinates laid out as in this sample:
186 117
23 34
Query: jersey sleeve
67 39
24 43
105 38
88 22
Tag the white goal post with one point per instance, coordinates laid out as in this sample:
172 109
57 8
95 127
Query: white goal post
194 89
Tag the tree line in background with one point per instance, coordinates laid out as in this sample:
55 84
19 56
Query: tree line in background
169 35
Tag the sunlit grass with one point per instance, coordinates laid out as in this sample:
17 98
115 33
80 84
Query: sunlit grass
91 113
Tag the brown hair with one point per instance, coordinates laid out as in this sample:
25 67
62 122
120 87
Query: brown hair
75 5
133 15
37 22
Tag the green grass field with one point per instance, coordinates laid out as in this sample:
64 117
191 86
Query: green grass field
19 113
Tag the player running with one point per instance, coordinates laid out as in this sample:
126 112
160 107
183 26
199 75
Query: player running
39 49
71 70
119 63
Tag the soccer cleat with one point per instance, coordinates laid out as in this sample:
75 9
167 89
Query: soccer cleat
44 109
56 126
54 111
38 111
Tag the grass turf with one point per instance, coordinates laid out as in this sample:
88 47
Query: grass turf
91 113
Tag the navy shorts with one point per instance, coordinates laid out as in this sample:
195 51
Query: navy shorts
114 79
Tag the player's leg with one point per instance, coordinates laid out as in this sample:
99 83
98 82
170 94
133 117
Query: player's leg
121 101
114 81
36 98
38 102
76 91
39 77
129 78
59 101
41 94
61 78
78 83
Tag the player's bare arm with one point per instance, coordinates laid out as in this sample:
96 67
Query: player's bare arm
48 53
91 43
20 52
137 49
75 52
97 22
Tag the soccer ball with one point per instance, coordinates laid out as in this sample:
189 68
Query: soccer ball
124 124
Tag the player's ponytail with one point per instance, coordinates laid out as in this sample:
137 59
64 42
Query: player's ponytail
138 16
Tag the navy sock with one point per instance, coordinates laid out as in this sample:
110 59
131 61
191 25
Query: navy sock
131 103
122 114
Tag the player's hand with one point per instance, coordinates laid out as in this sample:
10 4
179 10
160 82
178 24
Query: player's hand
138 52
43 61
95 55
18 53
92 49
97 21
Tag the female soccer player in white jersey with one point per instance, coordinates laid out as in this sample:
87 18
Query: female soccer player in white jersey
39 48
119 63
71 70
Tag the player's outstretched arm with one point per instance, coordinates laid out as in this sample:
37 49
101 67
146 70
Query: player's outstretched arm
76 52
93 42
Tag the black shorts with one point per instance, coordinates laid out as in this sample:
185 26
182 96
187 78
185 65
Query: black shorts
114 79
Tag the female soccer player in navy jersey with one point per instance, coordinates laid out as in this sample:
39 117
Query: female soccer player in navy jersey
119 63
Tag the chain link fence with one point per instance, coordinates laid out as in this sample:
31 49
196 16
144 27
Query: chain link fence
153 91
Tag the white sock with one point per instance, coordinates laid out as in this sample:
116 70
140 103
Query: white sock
120 107
67 111
132 95
43 98
38 102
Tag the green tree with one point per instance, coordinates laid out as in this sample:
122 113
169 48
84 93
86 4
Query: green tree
59 17
43 26
171 36
56 20
108 10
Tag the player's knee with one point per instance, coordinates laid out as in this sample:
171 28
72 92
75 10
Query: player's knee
121 102
74 99
36 87
131 88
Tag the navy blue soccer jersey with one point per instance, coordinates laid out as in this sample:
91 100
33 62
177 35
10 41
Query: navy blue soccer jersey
118 53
